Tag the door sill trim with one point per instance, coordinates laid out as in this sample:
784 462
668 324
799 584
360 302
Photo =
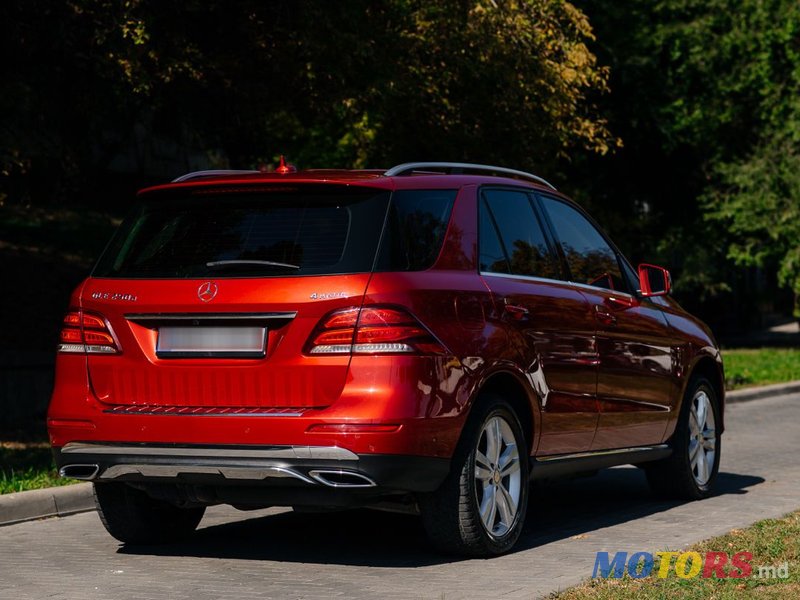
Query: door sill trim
553 457
550 467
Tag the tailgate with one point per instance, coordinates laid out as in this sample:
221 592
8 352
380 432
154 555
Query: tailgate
212 294
279 376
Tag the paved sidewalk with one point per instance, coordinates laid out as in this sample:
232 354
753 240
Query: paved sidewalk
362 554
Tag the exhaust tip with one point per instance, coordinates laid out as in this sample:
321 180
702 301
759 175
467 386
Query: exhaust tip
82 472
342 479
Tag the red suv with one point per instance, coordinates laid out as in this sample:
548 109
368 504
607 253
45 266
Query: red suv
432 337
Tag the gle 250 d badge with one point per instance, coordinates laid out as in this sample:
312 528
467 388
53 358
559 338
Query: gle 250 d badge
113 296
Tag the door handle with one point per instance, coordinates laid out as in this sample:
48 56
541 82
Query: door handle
605 317
621 301
516 312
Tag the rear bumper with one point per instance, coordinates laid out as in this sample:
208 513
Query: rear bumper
287 467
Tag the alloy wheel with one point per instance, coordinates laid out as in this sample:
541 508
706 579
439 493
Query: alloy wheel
497 477
702 437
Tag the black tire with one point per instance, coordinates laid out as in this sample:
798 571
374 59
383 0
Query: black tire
674 476
451 515
133 517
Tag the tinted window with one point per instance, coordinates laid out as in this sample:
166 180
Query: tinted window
492 256
211 234
415 229
589 257
521 234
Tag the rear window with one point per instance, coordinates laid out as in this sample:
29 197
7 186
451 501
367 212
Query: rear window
274 233
248 235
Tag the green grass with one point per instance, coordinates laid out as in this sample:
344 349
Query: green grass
773 542
27 466
760 366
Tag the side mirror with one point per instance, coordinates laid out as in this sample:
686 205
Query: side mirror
654 281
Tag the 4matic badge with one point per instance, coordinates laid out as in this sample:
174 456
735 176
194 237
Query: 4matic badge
327 295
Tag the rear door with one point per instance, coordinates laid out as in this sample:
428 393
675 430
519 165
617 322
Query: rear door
551 328
636 379
212 295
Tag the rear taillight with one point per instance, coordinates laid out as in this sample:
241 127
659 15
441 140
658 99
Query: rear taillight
372 330
87 332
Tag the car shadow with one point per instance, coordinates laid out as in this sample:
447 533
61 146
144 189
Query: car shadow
614 496
379 539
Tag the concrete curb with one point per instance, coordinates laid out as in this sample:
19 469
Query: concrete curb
77 498
765 391
49 502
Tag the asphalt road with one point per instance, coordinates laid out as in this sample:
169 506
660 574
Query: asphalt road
364 554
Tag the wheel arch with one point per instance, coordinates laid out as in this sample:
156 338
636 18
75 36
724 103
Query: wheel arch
512 388
711 369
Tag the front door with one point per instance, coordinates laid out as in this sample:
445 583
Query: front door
635 383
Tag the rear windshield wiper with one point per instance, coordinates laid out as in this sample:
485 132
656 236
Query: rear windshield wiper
234 263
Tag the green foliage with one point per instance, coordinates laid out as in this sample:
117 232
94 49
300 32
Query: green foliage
328 83
704 95
737 77
758 201
728 70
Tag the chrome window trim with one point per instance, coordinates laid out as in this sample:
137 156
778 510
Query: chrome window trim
557 281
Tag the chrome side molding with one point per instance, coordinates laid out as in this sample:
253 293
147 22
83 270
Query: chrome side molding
599 453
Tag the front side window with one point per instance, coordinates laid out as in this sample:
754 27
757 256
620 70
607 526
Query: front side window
511 238
590 258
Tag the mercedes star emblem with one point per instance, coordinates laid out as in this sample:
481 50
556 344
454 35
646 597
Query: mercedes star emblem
207 291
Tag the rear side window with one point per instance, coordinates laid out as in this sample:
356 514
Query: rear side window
492 256
521 237
590 258
415 229
248 234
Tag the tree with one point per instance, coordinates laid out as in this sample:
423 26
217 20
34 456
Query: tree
704 97
354 83
758 201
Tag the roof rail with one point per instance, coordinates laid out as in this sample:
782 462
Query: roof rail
212 173
453 168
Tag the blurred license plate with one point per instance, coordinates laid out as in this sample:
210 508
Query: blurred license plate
198 341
